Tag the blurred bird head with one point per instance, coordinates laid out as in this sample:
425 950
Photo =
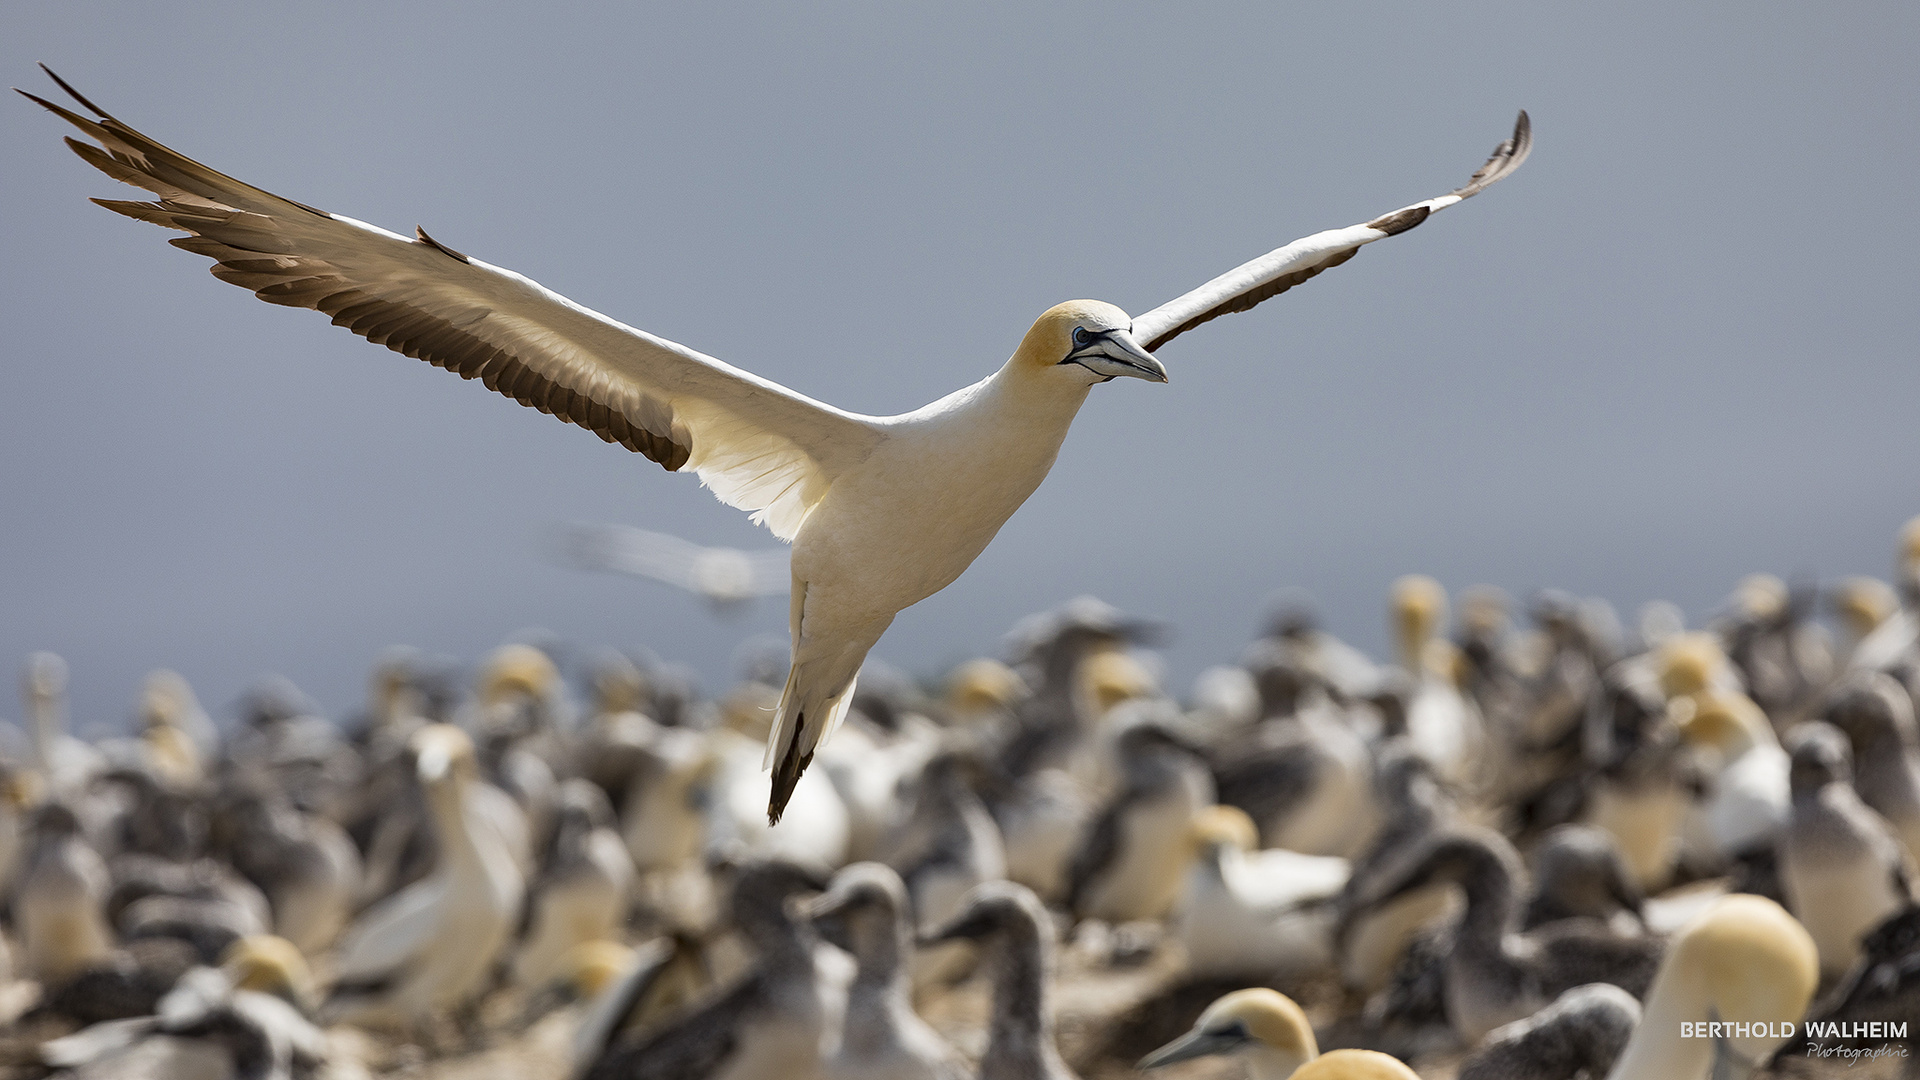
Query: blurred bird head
517 671
269 965
861 908
983 687
1759 598
1689 663
1747 961
997 910
1419 606
1223 826
45 677
442 753
1113 675
1863 603
1820 756
1083 342
1262 1026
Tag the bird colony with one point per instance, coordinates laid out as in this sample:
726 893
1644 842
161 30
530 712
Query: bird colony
1529 846
1542 848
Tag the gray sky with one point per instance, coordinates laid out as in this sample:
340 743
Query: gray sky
1676 347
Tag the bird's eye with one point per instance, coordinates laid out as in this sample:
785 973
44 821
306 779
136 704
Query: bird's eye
1081 337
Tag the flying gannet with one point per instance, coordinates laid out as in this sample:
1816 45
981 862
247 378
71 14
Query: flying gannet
882 511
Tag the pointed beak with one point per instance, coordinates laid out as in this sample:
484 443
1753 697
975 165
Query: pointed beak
1194 1044
1114 353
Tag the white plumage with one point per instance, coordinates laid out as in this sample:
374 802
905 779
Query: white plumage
882 511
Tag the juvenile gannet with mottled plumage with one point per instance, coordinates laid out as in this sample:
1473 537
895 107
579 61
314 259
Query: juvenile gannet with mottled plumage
1016 934
864 912
882 511
1841 866
1261 1027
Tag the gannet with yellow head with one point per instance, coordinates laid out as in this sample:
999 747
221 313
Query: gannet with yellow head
882 511
1261 1027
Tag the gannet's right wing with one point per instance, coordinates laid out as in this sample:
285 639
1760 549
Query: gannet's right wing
1279 270
757 444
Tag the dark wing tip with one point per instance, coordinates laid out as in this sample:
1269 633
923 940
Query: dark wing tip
1506 157
74 94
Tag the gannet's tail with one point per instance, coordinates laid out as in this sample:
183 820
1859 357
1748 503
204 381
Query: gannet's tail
805 719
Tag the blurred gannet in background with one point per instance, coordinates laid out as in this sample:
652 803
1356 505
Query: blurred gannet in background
864 911
431 946
1441 724
1578 873
1745 961
1129 865
59 899
1841 866
776 1023
1580 1035
725 577
1261 1027
1016 935
943 478
1876 714
1494 973
581 893
65 762
1895 640
1243 911
1355 1065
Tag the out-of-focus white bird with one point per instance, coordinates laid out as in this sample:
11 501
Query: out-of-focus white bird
883 512
725 577
431 945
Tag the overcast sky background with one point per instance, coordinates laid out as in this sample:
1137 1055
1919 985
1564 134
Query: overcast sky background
1677 347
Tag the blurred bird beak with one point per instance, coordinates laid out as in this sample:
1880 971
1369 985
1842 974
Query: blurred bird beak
1114 353
1193 1044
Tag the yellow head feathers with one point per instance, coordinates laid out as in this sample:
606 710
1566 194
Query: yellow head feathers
981 685
1748 960
1224 825
517 670
270 965
1050 338
1269 1016
1419 607
440 750
592 966
1688 663
1864 603
1112 676
1761 596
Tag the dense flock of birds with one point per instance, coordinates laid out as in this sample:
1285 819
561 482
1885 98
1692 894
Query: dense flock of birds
1538 845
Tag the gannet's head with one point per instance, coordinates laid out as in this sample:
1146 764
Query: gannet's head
1089 342
45 677
1863 603
982 686
1223 826
1820 756
1254 1024
269 965
442 751
1743 960
1419 607
1688 663
517 670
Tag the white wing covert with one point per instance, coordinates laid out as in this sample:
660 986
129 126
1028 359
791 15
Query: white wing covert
758 445
1283 268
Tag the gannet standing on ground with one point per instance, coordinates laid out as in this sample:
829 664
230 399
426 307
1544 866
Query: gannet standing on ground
864 912
882 511
583 888
65 762
1016 934
1581 1034
1876 714
775 1024
58 902
432 945
1251 913
1841 866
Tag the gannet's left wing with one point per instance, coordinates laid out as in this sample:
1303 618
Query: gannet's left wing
1277 271
758 445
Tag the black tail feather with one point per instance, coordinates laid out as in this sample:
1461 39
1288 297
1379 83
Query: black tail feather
786 772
